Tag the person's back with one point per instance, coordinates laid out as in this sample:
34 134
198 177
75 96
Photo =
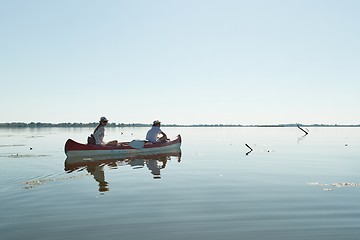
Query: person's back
99 135
153 134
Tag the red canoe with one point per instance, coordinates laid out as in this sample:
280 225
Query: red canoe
135 147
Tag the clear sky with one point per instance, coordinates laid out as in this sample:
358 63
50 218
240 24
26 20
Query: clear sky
180 61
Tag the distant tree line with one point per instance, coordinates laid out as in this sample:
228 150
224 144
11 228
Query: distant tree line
93 124
65 125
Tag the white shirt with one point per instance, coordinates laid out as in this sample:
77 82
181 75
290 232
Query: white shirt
99 135
152 134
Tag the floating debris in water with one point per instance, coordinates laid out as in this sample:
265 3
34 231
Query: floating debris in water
345 184
314 184
37 182
35 136
249 148
13 145
24 155
306 132
338 185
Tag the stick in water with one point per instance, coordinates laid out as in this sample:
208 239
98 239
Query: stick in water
249 148
302 129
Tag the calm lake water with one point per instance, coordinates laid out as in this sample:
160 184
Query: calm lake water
288 187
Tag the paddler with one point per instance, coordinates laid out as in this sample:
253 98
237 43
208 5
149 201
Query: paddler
155 134
99 133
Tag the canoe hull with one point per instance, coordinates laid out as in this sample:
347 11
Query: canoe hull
75 149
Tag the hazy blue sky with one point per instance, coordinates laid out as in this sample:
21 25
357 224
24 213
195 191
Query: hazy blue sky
240 62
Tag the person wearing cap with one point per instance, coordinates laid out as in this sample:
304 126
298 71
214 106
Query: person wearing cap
99 133
155 134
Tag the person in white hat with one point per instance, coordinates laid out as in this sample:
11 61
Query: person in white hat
155 134
99 133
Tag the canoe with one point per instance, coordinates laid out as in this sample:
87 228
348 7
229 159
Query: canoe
136 147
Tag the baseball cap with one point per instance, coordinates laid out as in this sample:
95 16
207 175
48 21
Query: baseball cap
103 119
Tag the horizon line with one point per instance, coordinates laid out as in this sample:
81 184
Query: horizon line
113 124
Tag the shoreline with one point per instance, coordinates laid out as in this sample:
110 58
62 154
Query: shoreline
84 125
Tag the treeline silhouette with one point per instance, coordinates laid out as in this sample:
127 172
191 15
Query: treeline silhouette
93 124
79 125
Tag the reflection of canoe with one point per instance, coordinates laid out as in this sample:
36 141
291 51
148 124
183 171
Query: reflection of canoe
73 148
74 163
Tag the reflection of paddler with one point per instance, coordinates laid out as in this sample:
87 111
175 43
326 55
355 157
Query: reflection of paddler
137 163
164 161
153 166
99 175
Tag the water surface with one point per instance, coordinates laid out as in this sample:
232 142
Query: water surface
289 187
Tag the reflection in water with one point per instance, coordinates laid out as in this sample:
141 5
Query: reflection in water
155 165
95 165
301 138
99 175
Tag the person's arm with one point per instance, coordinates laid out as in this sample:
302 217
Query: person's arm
164 135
